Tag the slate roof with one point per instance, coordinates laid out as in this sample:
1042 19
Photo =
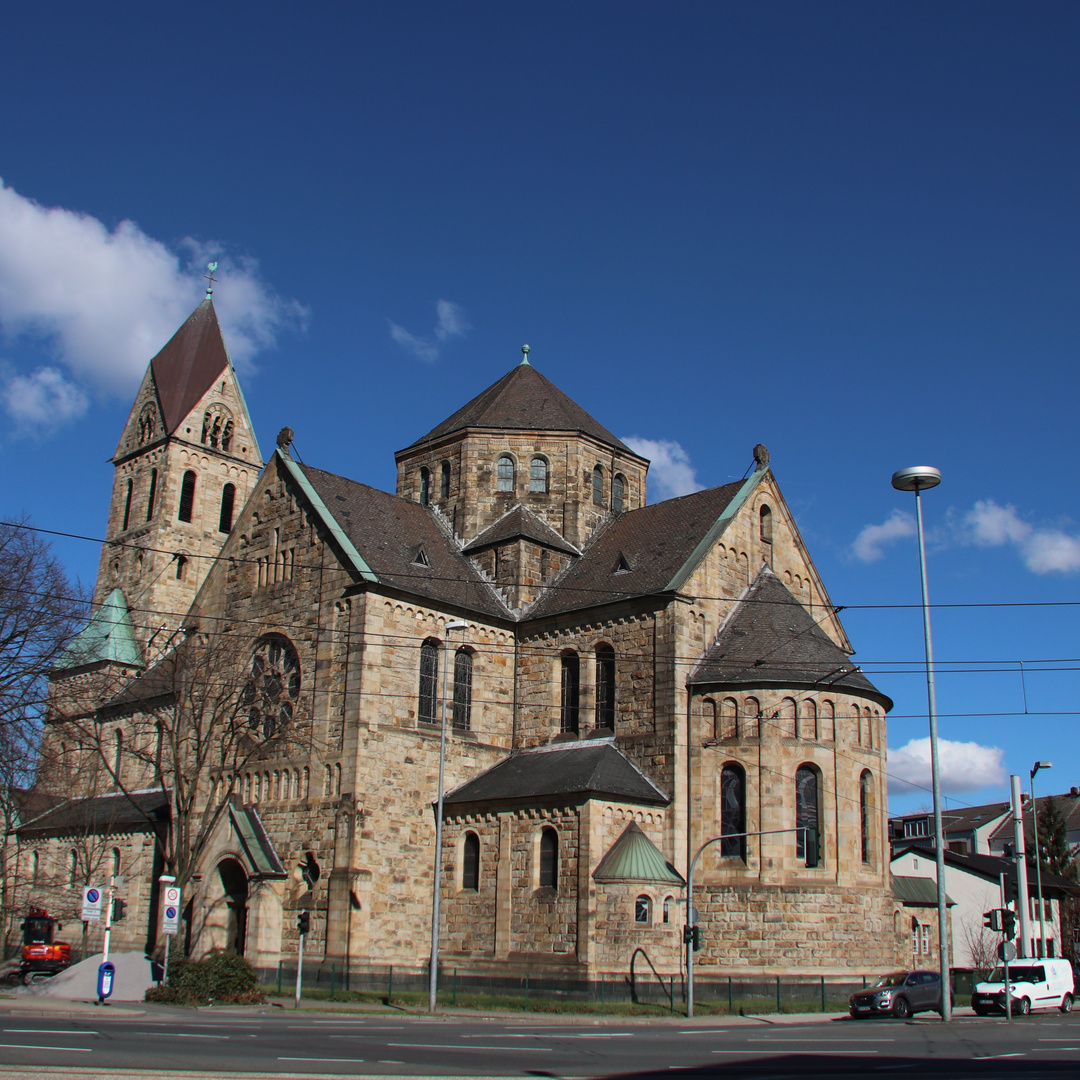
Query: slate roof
656 541
589 768
109 635
991 867
389 532
1068 805
521 523
634 857
917 891
523 400
101 814
772 640
188 365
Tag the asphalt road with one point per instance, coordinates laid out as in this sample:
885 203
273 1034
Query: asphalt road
283 1042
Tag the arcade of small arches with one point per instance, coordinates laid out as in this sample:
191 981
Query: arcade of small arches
809 719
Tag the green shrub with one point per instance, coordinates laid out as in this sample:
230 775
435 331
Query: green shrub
223 978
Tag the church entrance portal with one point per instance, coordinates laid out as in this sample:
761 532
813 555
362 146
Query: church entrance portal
234 884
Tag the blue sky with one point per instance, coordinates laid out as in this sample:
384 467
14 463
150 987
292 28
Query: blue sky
846 230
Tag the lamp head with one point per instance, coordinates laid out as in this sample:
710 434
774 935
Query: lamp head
917 478
1040 765
456 624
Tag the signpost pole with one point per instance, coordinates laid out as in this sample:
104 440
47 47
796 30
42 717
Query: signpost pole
299 970
169 905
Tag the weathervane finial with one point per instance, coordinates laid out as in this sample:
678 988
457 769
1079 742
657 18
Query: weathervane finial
210 279
525 356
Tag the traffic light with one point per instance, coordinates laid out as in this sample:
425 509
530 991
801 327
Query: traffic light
303 922
696 937
1008 924
1010 887
119 909
992 920
812 845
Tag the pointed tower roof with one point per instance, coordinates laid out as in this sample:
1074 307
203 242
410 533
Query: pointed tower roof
523 400
108 636
188 365
634 857
771 640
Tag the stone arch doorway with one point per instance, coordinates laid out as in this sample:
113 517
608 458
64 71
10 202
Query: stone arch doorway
234 884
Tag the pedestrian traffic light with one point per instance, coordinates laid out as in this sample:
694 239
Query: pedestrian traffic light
119 909
303 922
992 920
1008 924
812 844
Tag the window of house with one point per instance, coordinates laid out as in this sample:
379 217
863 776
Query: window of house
598 485
549 859
765 525
425 486
807 815
915 936
570 701
228 498
605 687
538 475
187 496
642 909
618 493
505 473
918 827
152 496
463 672
444 480
864 815
732 812
925 939
127 505
470 863
429 677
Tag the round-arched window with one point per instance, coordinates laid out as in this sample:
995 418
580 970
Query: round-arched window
642 910
273 686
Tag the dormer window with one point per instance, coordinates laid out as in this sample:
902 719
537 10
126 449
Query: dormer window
538 476
504 473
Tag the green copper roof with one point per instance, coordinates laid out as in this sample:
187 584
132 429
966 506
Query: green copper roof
108 635
634 857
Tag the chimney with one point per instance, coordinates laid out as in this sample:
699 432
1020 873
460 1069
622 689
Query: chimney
1074 792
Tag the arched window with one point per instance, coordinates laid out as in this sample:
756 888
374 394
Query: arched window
549 859
729 719
127 504
429 677
858 732
710 722
827 721
668 900
187 496
570 700
865 799
808 727
273 686
35 868
115 861
307 782
618 493
643 910
118 751
463 667
328 781
732 811
538 475
787 718
247 787
765 525
470 863
147 424
228 498
444 480
337 778
504 473
425 486
181 567
598 485
152 496
868 723
807 815
277 784
73 866
751 718
605 687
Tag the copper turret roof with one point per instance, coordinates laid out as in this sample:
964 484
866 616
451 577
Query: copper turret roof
188 365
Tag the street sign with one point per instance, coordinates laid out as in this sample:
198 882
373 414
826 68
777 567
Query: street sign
1006 951
170 909
91 904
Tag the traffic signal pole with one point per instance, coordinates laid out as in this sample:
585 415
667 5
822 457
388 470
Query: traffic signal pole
303 924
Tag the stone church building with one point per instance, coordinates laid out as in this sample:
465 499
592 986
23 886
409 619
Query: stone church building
622 681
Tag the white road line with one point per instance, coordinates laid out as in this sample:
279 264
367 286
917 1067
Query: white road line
44 1031
494 1035
191 1035
838 1052
66 1049
994 1057
785 1040
457 1046
704 1031
350 1061
1053 1049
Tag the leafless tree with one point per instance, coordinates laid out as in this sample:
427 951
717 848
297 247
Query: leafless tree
981 944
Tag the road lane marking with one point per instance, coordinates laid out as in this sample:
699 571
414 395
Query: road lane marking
705 1031
66 1049
385 1061
795 1051
192 1035
350 1061
457 1046
51 1031
786 1040
493 1035
994 1057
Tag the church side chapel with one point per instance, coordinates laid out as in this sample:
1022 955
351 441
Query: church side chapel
622 681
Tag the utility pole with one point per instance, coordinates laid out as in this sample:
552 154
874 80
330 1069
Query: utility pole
1022 901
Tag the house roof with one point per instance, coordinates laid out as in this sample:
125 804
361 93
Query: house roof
188 364
594 767
522 400
917 891
962 819
634 857
770 639
108 636
115 812
1068 805
991 867
655 541
521 523
388 533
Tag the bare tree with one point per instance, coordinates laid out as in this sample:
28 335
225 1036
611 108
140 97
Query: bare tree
981 944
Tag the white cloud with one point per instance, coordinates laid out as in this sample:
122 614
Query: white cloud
670 473
873 538
104 302
964 766
1044 551
42 400
450 323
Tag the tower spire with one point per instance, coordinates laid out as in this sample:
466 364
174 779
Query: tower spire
210 279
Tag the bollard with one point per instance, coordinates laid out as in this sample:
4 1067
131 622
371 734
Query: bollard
778 1009
672 995
279 964
730 997
390 987
823 993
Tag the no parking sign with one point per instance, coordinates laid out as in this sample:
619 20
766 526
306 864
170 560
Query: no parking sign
170 909
91 904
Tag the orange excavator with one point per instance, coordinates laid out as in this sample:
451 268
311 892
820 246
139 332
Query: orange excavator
42 955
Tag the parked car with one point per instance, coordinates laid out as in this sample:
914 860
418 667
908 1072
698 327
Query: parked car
899 994
1033 984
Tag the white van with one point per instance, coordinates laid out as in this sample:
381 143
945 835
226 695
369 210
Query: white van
1034 984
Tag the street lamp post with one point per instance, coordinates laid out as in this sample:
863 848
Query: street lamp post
1038 862
918 479
436 878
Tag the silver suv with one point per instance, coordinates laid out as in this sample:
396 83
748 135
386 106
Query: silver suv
899 994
